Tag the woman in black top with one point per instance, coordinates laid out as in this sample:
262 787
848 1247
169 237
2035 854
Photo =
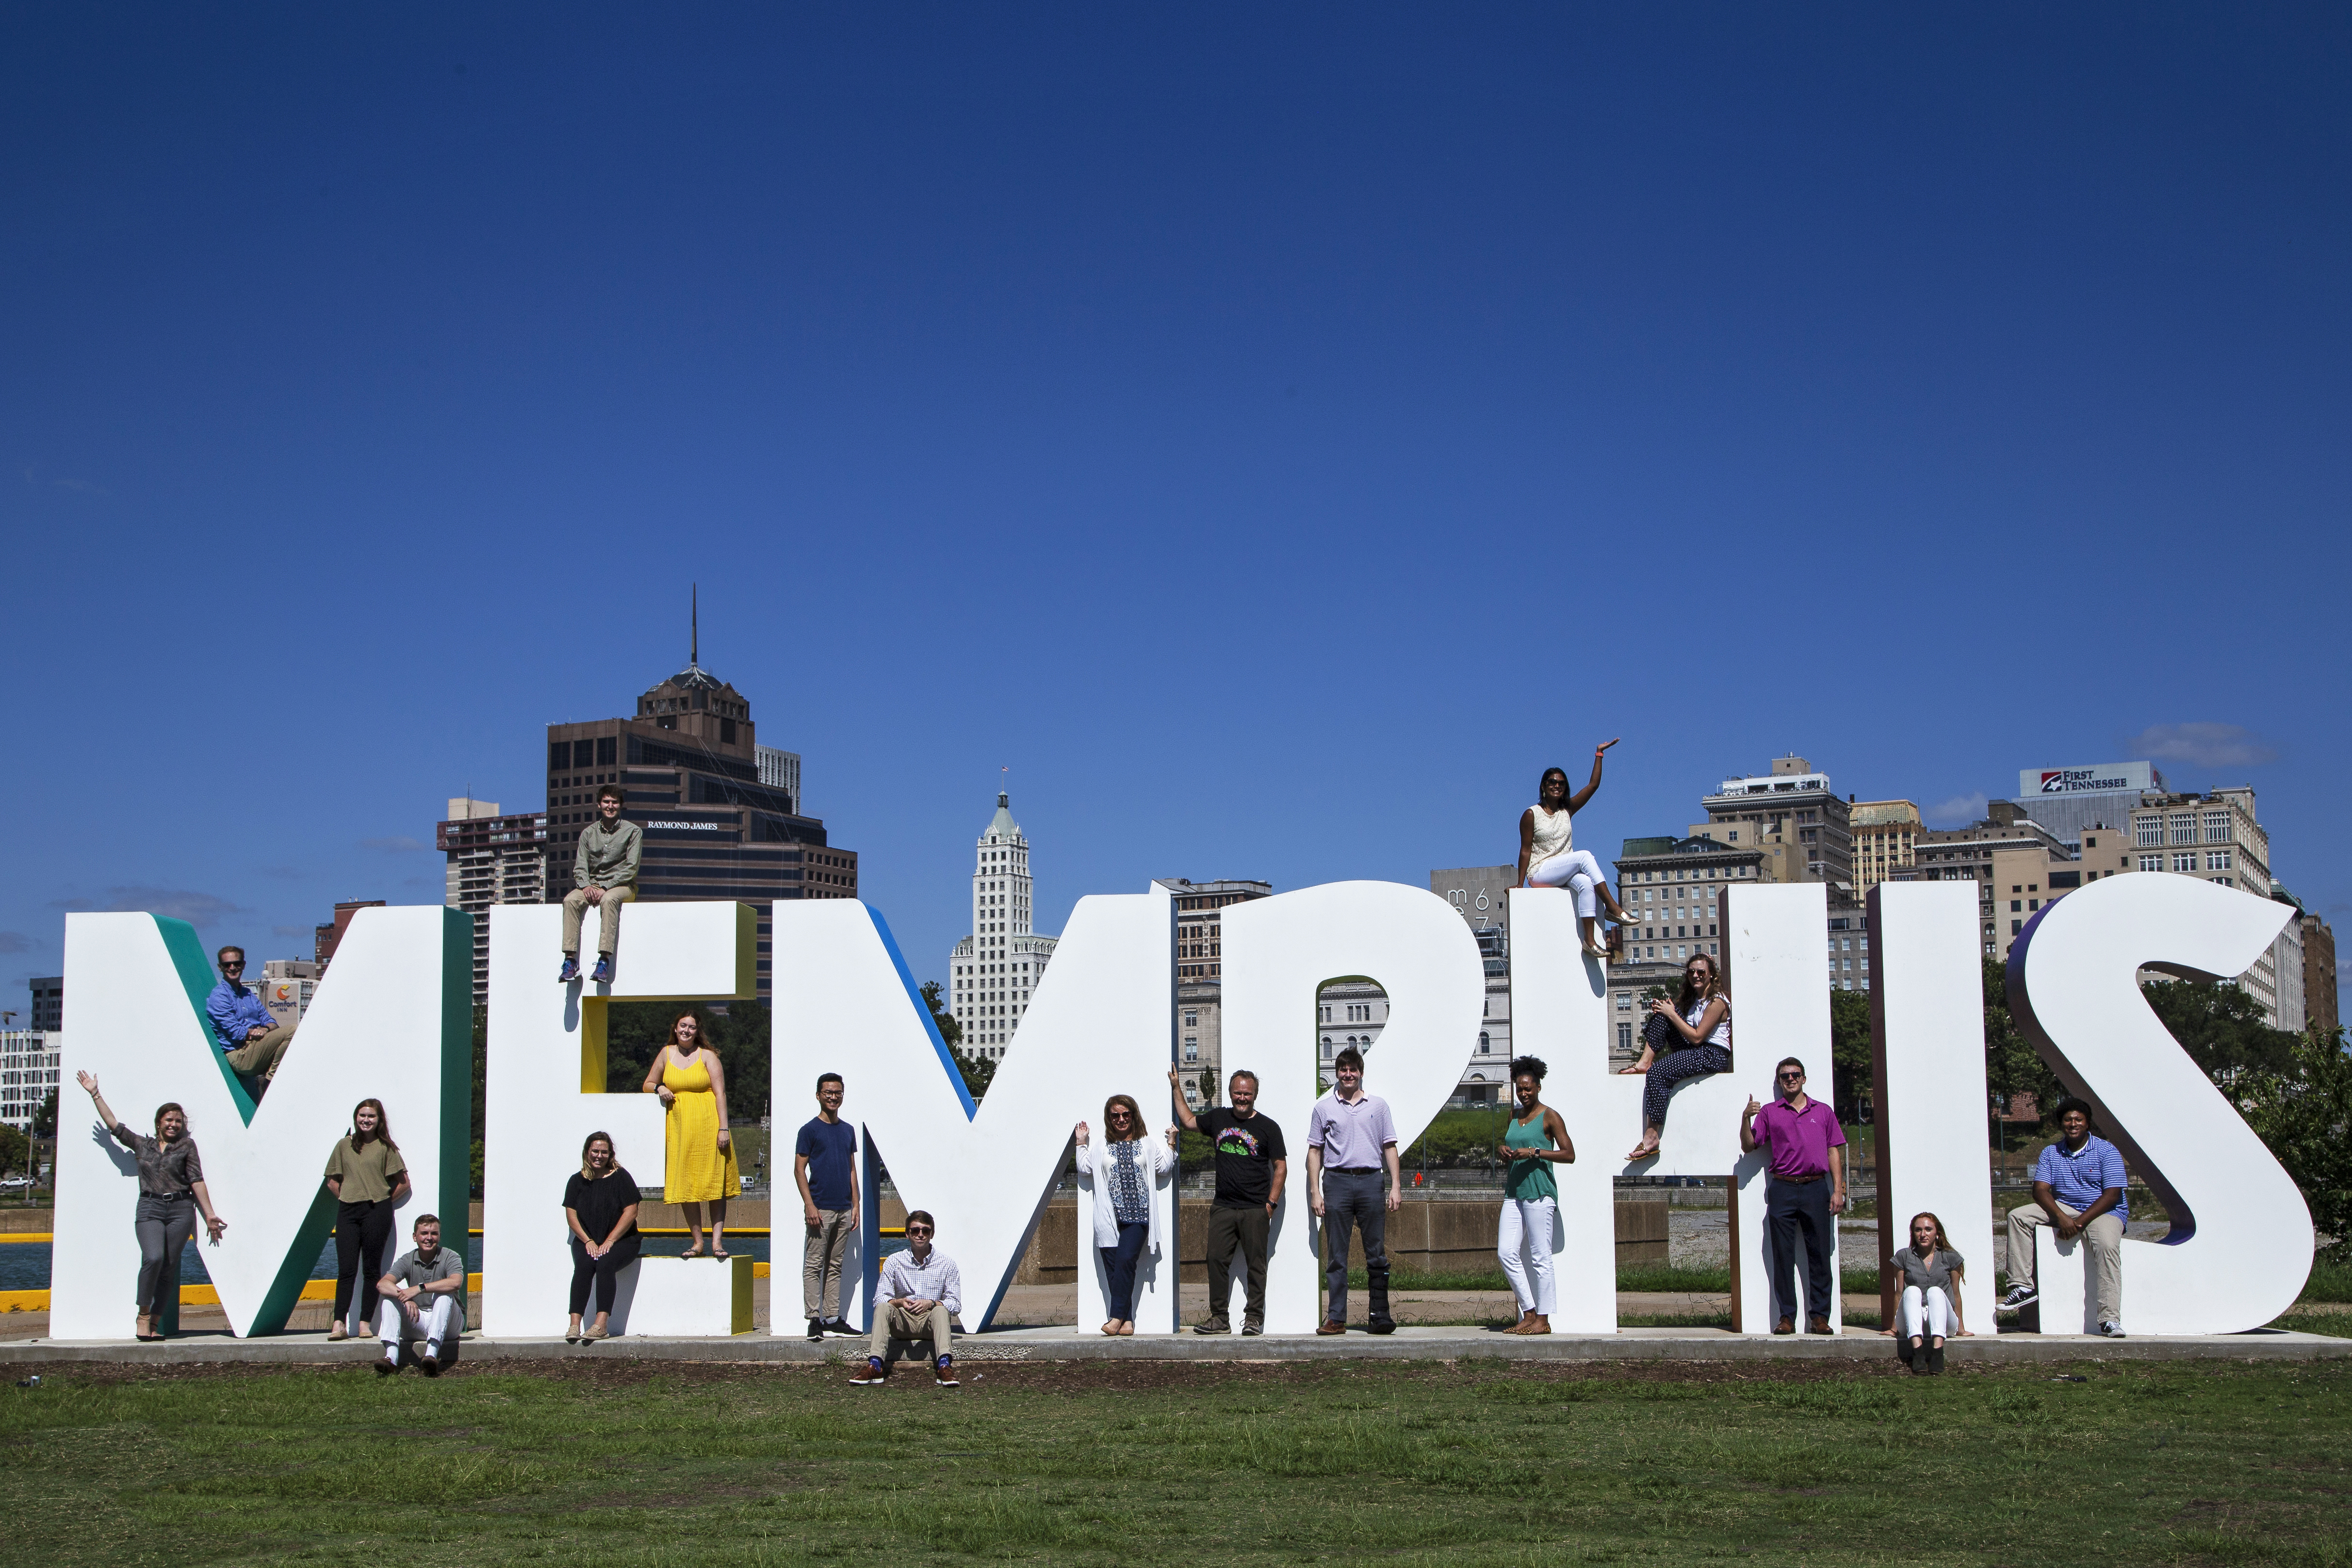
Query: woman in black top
171 1191
600 1204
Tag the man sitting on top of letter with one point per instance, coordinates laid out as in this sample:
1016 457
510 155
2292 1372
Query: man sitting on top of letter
604 873
247 1031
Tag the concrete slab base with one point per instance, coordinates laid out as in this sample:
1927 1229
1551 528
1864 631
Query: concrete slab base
1063 1344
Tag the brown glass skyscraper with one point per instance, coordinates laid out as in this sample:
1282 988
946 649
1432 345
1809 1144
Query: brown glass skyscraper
689 764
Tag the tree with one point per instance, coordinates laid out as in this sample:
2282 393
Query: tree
2011 1066
1207 1084
44 1119
978 1071
635 1032
2222 1030
15 1150
2303 1112
1850 1050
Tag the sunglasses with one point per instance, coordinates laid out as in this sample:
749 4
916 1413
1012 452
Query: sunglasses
233 964
1790 1077
919 1231
1118 1116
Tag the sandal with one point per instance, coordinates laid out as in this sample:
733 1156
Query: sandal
1642 1153
721 1257
694 1251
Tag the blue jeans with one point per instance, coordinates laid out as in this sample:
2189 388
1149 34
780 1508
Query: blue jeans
1351 1200
1118 1264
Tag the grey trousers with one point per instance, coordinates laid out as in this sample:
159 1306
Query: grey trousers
162 1226
608 922
2104 1237
1351 1200
820 1255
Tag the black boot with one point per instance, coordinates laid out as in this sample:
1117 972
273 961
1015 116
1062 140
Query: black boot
1378 1281
1904 1351
1935 1361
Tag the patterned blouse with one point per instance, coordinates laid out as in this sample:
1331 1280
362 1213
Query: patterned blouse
1131 1199
165 1170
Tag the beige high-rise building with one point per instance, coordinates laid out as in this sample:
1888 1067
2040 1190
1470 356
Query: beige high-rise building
1791 816
1884 834
493 859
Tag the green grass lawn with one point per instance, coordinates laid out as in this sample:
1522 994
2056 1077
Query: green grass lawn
1485 1464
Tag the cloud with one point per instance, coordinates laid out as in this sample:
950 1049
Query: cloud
1960 809
14 941
399 844
2204 745
177 903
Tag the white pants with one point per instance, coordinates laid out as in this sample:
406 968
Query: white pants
442 1314
1929 1306
1527 1223
1578 871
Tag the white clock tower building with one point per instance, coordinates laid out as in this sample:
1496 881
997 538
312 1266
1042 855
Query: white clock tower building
992 970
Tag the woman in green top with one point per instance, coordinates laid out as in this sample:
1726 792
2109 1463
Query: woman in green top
367 1178
1535 1139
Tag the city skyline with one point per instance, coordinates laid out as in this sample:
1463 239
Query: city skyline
1275 442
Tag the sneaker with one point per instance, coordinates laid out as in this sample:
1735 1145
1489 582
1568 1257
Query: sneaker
1251 1331
2112 1330
2019 1296
1383 1325
945 1369
816 1329
841 1331
603 975
571 971
875 1375
1212 1326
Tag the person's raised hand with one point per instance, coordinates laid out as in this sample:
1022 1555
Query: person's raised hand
1080 1134
1606 744
1752 1107
88 1082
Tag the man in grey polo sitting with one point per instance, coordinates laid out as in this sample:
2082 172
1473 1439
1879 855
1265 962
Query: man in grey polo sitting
920 1290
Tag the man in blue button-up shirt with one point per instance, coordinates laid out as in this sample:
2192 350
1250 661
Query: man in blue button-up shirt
244 1028
2078 1189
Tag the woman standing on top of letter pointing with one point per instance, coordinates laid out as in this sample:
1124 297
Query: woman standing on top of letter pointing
1548 855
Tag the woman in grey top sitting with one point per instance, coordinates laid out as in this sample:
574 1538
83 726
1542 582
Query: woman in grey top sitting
171 1191
1929 1310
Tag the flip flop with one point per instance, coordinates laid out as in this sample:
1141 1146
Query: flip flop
691 1252
721 1257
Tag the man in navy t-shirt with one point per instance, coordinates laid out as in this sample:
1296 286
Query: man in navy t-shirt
824 1168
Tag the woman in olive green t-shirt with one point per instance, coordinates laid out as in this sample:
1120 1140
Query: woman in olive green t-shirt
367 1178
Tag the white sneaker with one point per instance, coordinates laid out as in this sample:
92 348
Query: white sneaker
2112 1331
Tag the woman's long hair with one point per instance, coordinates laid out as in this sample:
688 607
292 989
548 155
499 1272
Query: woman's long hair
1692 992
592 1139
382 1126
1134 1118
1941 1244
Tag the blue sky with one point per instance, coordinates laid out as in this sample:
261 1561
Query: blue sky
1273 437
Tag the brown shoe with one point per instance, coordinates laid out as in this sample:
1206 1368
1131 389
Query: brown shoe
1817 1325
1330 1326
1785 1326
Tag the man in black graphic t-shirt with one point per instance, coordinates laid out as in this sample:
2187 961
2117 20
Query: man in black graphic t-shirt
1251 1164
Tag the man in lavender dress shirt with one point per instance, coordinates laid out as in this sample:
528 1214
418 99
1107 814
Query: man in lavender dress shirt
1350 1140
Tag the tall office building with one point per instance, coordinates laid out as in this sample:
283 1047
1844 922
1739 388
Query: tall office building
779 770
691 773
1801 827
1481 895
2319 976
992 971
2070 802
1200 968
327 936
29 1074
2019 866
1884 832
493 859
49 1003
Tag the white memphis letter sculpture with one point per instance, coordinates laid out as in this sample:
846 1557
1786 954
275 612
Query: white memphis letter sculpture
545 1088
392 1021
1780 1006
2074 990
1099 1024
1279 955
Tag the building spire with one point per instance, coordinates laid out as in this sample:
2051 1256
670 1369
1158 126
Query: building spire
694 627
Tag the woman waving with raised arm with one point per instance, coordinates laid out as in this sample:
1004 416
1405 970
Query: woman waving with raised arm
1547 854
171 1193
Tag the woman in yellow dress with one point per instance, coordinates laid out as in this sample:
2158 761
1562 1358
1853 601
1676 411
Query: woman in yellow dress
702 1164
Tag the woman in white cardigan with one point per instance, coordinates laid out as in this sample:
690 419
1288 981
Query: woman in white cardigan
1126 1222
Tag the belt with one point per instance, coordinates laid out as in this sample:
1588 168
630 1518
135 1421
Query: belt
171 1197
1353 1170
1802 1181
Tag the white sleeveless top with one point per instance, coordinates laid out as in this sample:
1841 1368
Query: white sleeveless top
1722 1035
1553 835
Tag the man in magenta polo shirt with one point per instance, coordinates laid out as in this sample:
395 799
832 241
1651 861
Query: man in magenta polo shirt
1805 1189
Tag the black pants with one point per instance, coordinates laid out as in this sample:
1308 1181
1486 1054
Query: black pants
1671 1071
603 1272
1119 1269
1245 1228
162 1226
360 1231
1788 1207
1353 1200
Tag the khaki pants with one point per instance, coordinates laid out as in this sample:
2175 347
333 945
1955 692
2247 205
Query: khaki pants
608 930
898 1323
2105 1235
821 1257
261 1058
